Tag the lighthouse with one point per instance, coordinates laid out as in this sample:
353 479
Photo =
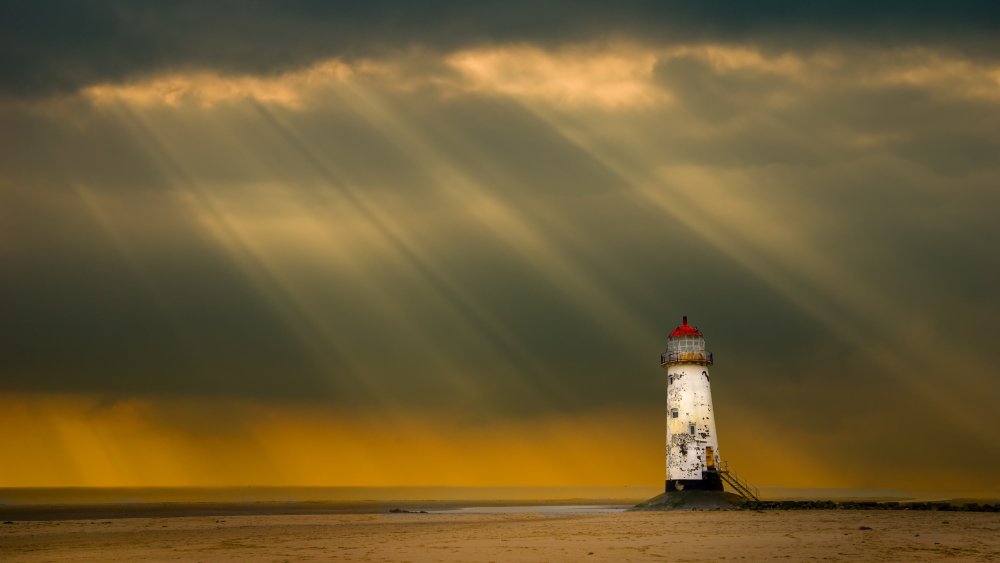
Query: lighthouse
692 442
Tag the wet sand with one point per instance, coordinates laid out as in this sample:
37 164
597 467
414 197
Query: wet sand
516 536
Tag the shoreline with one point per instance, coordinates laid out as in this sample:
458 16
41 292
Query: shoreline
110 511
107 511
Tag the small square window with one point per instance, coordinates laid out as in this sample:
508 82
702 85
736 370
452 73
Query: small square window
691 429
673 413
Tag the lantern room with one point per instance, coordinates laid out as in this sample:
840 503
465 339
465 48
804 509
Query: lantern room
686 345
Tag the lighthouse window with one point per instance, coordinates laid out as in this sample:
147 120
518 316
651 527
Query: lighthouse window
686 344
691 429
673 413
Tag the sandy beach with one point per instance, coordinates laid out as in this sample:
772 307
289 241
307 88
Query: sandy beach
516 536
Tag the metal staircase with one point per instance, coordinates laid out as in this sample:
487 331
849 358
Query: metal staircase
741 486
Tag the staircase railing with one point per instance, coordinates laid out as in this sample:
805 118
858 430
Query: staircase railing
740 485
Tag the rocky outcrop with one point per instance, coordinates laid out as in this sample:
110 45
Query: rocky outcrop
714 500
692 500
868 505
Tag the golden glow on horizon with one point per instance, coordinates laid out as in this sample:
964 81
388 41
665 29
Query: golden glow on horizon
85 441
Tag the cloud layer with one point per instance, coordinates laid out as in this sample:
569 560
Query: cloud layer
63 46
501 223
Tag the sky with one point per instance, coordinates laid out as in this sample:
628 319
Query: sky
443 243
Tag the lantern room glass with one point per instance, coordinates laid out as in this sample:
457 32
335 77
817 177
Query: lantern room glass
687 343
686 348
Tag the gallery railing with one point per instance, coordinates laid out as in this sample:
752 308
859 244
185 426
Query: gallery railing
669 358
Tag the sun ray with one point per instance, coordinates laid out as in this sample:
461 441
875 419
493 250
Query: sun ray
504 348
790 261
504 221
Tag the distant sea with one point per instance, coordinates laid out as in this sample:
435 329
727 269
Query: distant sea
158 495
156 502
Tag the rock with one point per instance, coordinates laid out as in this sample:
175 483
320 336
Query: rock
714 500
695 500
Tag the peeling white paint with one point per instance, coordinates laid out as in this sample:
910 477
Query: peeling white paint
689 392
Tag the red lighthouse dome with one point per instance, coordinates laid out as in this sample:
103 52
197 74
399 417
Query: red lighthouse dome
685 330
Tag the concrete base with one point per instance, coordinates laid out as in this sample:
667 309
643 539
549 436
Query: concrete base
692 500
710 481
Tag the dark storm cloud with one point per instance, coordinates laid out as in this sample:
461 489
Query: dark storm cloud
81 314
61 46
82 319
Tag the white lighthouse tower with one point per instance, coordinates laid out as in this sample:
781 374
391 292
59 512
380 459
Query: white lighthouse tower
692 443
